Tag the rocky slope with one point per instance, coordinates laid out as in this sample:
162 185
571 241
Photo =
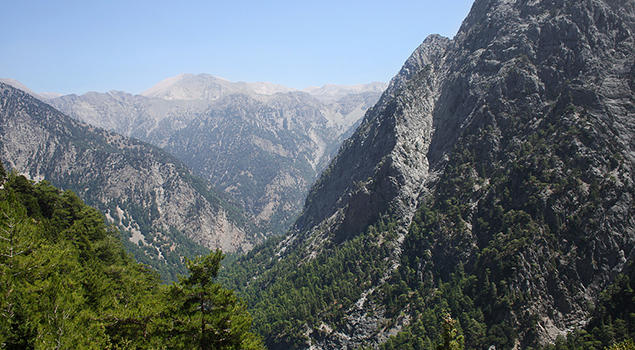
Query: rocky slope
139 187
263 143
266 151
504 156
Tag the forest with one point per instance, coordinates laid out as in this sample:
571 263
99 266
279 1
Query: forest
66 282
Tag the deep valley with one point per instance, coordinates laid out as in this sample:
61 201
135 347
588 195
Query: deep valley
483 199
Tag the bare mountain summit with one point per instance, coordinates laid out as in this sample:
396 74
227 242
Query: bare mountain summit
207 87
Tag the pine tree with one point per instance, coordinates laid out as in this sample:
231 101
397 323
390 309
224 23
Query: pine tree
450 339
627 344
16 263
208 313
67 283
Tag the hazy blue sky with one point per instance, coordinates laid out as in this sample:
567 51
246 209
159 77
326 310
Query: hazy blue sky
79 46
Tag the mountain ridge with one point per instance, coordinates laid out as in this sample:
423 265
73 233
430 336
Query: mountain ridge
203 86
150 195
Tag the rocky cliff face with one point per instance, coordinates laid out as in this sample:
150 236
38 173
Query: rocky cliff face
512 145
139 187
263 143
384 166
512 57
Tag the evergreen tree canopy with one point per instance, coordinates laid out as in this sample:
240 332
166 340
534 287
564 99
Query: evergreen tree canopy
67 283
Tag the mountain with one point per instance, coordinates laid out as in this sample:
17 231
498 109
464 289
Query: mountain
130 115
265 144
18 85
332 92
162 208
207 87
493 180
266 151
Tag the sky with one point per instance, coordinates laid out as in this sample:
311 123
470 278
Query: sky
69 47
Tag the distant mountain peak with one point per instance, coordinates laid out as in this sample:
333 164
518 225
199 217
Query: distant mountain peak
208 87
189 87
18 85
333 92
50 95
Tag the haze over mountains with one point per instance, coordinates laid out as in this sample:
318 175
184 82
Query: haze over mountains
263 143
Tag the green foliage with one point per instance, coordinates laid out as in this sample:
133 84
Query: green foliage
62 268
165 254
475 303
207 313
291 293
67 283
450 339
624 345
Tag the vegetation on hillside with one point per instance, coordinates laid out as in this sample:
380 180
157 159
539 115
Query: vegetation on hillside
295 292
67 283
500 223
612 322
